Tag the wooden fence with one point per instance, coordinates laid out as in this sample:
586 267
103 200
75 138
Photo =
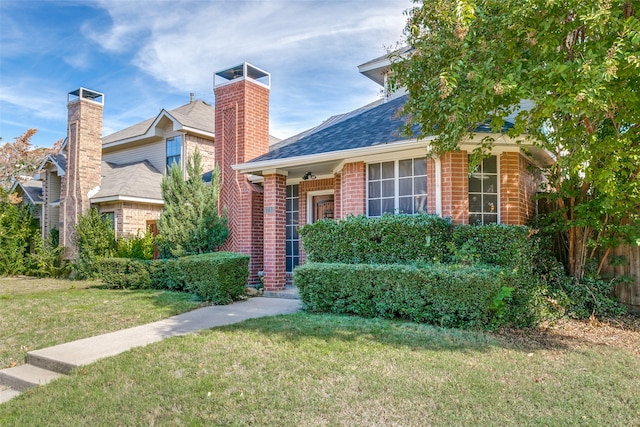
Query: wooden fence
629 293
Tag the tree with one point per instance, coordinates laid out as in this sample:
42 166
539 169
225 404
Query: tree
95 239
577 61
19 158
17 231
190 223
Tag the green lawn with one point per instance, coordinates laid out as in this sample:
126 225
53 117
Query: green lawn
307 370
38 313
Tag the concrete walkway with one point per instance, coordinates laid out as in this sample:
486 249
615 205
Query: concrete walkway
50 363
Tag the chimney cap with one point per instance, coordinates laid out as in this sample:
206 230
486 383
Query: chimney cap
83 93
241 72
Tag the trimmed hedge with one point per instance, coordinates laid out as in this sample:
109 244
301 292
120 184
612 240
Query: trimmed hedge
124 273
445 295
390 239
218 277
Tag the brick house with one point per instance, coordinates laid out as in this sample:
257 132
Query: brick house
356 163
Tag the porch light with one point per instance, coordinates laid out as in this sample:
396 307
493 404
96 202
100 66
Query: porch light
308 175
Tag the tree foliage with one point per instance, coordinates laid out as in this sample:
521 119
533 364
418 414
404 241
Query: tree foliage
577 61
17 230
20 159
190 223
95 239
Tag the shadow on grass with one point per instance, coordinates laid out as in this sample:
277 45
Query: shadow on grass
327 327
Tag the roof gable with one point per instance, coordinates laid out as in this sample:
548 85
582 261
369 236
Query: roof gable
196 117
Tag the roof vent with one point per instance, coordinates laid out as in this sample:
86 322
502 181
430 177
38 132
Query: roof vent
242 71
83 93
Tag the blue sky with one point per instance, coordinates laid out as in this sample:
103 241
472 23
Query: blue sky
145 55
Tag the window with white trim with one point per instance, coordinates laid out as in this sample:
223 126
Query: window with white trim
174 149
398 186
292 253
483 193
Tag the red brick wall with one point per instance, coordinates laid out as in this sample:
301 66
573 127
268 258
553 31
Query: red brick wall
517 188
353 189
84 157
431 185
275 193
337 196
455 186
242 133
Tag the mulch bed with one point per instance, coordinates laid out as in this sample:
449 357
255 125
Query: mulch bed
622 332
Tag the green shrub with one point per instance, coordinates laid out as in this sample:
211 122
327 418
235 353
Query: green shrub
124 273
17 229
166 274
390 239
46 258
445 295
95 239
219 277
136 247
592 296
494 244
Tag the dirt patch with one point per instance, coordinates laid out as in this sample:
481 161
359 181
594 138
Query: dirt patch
622 332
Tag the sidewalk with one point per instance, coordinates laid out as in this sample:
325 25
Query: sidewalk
50 363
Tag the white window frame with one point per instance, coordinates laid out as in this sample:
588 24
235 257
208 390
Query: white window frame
498 194
166 156
396 182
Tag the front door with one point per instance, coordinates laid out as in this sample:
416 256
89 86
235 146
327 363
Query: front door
322 207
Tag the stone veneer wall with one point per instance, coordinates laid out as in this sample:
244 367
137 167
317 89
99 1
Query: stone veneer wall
84 156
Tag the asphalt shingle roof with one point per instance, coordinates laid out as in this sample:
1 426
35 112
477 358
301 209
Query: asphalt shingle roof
197 114
138 179
375 124
33 189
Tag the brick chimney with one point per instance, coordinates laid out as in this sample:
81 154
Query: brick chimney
84 158
242 134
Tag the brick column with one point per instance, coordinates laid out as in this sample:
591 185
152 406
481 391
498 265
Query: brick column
275 193
509 188
353 189
337 196
455 186
517 188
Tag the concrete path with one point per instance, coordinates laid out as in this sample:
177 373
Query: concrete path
50 363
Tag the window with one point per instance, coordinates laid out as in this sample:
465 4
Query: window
292 240
398 186
174 148
483 193
109 216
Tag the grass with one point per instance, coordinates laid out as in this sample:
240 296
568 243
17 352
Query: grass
38 313
312 370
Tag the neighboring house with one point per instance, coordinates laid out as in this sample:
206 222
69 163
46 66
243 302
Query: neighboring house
356 163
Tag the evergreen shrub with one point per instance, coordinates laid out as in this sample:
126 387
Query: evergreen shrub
446 295
124 273
390 239
218 277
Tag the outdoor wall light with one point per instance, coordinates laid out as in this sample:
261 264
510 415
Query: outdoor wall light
308 175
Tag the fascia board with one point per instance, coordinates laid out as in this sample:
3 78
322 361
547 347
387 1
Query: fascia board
330 156
127 199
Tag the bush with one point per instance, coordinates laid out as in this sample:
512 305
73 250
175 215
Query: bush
17 229
592 296
495 244
390 239
46 259
445 295
136 247
94 237
219 277
166 274
124 273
